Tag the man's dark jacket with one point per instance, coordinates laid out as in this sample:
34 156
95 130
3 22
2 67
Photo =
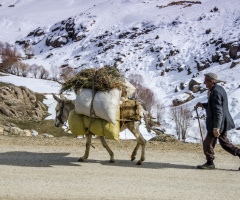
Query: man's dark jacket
218 115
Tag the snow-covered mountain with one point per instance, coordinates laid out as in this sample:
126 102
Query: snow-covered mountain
168 42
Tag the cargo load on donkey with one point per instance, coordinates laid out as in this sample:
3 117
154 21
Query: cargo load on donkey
101 108
99 95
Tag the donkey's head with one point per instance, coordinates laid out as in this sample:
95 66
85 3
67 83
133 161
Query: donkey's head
63 109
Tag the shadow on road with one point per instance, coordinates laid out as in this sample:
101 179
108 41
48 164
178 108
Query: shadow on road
150 165
147 165
33 159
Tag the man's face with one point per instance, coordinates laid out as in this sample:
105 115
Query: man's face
208 82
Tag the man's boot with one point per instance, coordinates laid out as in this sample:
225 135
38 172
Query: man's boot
208 165
238 154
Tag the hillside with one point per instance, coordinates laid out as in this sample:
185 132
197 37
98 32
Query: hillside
168 43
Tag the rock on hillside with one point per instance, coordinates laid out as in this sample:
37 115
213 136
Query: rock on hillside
21 103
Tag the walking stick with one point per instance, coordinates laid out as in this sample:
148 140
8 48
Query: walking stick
199 123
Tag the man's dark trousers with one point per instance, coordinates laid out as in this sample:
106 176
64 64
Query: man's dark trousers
209 144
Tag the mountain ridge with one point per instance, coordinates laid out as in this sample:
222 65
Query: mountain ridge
89 48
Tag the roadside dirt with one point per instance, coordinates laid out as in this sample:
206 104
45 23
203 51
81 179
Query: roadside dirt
47 168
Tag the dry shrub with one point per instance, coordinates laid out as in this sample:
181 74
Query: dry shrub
9 57
160 110
147 98
143 94
43 73
20 69
1 46
54 73
182 117
24 69
28 50
38 71
67 73
34 69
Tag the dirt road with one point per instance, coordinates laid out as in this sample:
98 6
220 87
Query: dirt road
47 168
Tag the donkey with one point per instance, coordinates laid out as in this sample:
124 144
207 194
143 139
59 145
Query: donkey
63 109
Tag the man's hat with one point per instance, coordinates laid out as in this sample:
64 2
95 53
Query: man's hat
212 76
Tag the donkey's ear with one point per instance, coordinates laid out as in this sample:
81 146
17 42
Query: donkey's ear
56 98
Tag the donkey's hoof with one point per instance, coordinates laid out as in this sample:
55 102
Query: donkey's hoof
80 160
139 163
133 158
111 161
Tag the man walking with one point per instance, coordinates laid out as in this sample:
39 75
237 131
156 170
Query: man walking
218 121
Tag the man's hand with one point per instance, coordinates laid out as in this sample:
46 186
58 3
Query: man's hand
199 104
216 132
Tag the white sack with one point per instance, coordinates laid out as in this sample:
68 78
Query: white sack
105 103
83 101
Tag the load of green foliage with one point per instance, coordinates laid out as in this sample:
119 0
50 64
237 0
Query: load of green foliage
103 79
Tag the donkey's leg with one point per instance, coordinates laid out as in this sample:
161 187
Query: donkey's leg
134 128
88 143
134 153
105 145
